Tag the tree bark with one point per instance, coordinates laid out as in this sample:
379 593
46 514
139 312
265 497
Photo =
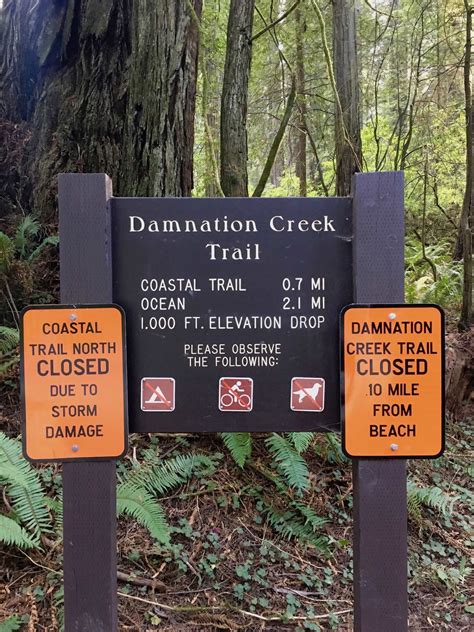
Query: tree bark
467 216
348 140
234 151
301 172
114 91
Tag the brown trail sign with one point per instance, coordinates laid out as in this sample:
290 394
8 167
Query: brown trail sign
232 321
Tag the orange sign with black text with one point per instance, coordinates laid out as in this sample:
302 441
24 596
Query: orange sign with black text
393 381
73 382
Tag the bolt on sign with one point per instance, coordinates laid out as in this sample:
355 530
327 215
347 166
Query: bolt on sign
217 289
393 380
73 382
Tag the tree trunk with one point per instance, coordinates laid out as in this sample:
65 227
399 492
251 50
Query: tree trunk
234 152
348 141
114 91
467 216
301 102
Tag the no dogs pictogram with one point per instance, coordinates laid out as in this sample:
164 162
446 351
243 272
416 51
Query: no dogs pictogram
158 394
307 394
236 394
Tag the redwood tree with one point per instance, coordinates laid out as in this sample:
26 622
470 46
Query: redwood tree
234 152
111 88
348 141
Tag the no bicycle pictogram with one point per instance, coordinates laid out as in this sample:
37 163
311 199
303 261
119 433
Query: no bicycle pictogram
158 394
307 394
236 394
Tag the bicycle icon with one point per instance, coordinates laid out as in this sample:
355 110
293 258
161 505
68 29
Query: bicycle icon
235 394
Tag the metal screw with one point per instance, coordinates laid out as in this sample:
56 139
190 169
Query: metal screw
392 315
75 448
393 447
73 316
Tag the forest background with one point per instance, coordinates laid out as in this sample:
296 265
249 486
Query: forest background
237 98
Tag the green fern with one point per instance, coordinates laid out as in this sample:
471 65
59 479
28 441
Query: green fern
24 489
162 476
432 497
28 229
9 339
301 440
290 526
138 503
53 240
12 624
311 517
7 251
291 464
136 494
329 448
12 533
239 445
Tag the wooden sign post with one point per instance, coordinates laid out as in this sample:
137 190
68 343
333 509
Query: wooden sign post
89 487
234 328
380 494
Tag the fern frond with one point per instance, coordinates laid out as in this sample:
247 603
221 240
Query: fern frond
138 503
160 477
433 497
311 517
239 445
9 339
12 624
53 240
12 533
27 229
24 488
301 440
7 250
290 526
289 462
331 449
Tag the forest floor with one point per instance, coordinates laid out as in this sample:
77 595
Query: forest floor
227 567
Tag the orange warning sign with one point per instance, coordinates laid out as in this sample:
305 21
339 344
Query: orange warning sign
73 382
393 380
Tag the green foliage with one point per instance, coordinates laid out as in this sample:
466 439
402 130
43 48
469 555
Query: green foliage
12 533
301 440
7 250
24 489
137 502
12 624
159 477
330 449
137 493
53 240
9 341
296 524
239 445
289 462
27 230
23 245
421 284
432 497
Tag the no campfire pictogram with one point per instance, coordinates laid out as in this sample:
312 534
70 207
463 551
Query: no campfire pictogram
307 394
158 394
236 394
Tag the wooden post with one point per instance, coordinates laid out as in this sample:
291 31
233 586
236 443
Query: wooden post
89 487
380 509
